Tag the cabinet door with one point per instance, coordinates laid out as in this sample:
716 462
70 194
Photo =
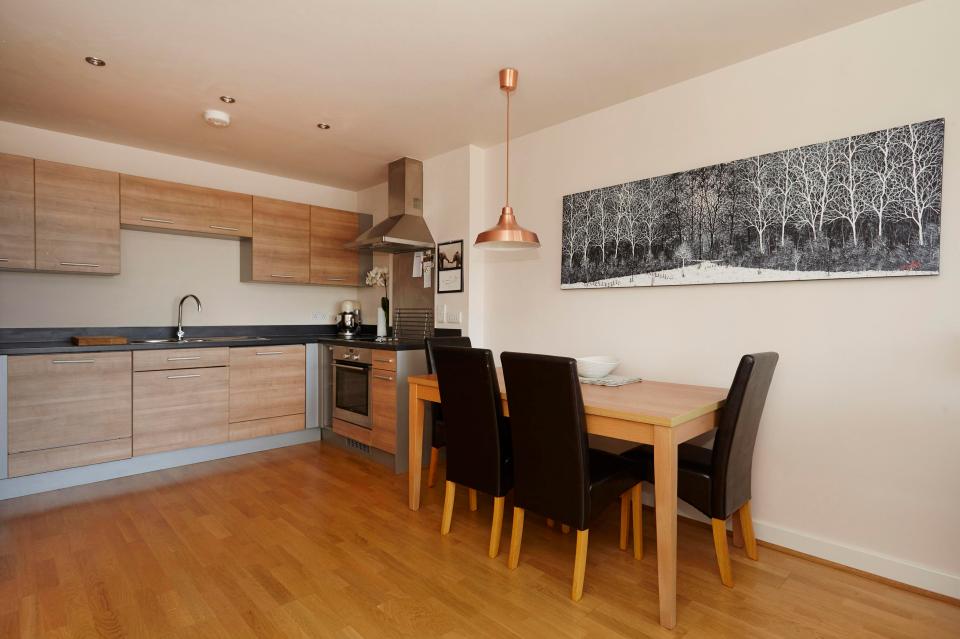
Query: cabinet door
16 212
384 408
280 249
77 219
67 399
330 262
179 409
267 381
168 206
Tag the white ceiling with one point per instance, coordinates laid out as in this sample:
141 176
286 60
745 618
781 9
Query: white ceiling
393 77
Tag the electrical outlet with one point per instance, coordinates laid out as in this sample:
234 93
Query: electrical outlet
321 317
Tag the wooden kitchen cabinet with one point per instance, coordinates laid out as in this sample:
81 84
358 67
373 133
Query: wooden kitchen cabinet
77 219
17 248
149 204
67 400
171 358
180 408
383 404
279 251
267 385
330 262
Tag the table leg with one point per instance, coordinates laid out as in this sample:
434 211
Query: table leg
415 448
665 486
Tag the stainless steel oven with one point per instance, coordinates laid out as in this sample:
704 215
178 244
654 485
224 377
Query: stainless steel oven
352 385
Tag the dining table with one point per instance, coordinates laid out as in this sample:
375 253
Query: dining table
661 414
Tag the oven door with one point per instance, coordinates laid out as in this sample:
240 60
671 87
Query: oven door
351 393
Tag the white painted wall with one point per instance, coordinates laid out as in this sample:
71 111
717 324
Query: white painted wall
857 457
157 269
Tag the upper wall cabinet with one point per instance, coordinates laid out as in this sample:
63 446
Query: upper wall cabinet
168 206
16 212
280 248
77 219
330 262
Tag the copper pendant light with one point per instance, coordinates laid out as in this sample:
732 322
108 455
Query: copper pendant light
507 234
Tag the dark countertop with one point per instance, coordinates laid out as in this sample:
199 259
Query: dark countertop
44 341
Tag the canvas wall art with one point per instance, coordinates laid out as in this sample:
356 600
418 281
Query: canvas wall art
861 206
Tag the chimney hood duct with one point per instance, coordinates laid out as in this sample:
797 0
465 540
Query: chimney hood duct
404 230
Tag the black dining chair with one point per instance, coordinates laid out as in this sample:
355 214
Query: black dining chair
478 433
556 473
714 474
438 436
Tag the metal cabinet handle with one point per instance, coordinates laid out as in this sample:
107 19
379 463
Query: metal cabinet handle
181 359
224 228
74 361
284 276
270 353
159 220
182 376
387 361
336 279
79 264
3 259
386 377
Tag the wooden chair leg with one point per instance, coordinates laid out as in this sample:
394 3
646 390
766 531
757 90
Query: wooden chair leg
580 565
472 493
746 526
565 528
496 528
549 523
432 472
515 538
624 519
637 496
737 531
723 553
451 491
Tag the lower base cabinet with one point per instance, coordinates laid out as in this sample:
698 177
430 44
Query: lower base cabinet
42 461
174 409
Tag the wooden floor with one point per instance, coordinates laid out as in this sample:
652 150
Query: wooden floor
310 541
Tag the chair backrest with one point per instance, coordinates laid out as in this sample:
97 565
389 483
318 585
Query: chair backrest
549 428
478 434
430 342
737 432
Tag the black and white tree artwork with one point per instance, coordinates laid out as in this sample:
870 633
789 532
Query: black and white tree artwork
861 206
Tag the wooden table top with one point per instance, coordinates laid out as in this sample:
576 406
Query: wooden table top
649 402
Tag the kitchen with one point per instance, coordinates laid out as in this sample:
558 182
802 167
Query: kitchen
234 282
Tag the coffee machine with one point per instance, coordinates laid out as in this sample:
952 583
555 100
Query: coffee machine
348 319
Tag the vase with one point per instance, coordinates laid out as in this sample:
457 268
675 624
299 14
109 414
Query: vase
381 323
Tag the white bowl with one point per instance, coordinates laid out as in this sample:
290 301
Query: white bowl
596 366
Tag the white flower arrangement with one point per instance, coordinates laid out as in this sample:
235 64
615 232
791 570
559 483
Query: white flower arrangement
378 276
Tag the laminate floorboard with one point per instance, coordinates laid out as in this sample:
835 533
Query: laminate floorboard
312 541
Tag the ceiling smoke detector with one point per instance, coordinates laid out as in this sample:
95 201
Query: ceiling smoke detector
213 117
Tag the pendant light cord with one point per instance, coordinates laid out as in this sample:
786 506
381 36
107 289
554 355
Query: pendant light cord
508 149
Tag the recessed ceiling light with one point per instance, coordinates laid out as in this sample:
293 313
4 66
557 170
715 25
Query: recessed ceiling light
227 99
323 126
97 62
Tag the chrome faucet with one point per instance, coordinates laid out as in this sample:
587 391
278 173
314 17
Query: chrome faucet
180 314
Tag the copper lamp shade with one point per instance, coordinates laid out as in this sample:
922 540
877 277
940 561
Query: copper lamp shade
507 235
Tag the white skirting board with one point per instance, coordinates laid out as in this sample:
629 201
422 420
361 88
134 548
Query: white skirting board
55 480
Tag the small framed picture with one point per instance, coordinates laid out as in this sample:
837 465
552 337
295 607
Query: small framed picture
450 267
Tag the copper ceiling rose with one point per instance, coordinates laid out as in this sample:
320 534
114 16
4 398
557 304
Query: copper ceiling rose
507 234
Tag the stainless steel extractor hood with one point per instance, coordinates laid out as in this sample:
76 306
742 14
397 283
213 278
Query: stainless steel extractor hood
404 230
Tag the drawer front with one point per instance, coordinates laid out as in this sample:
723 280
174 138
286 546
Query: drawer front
168 206
179 409
385 360
77 219
68 399
384 407
352 431
267 381
16 212
42 461
166 359
267 426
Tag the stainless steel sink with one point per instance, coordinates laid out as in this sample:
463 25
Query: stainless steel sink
194 340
